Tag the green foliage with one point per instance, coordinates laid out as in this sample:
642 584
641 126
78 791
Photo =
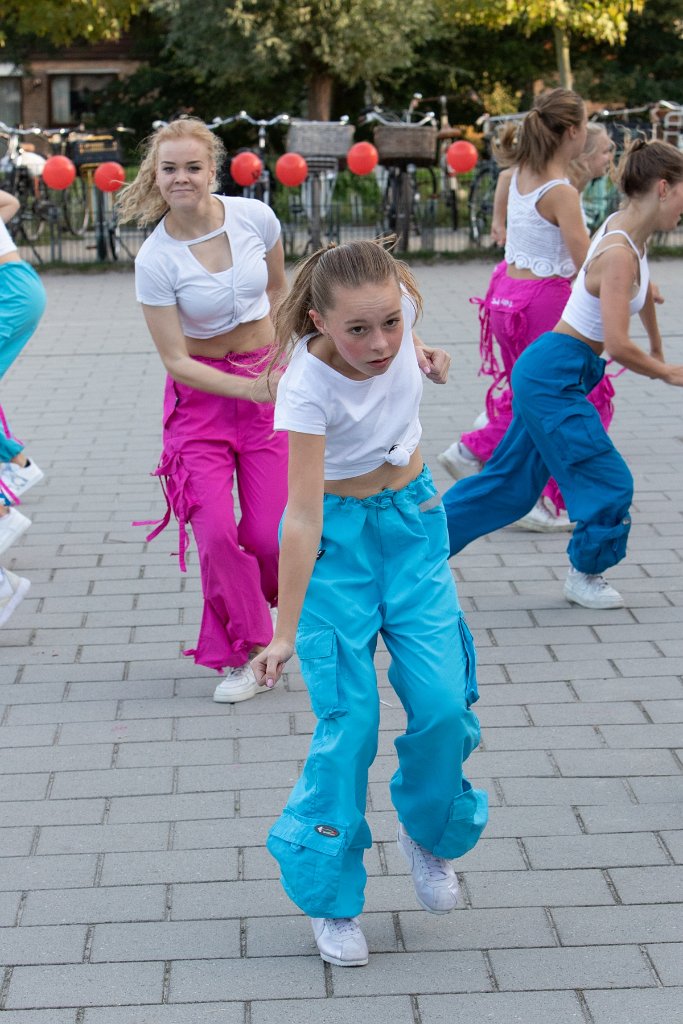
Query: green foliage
63 22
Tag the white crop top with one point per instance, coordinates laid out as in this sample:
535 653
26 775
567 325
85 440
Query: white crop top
168 274
532 242
365 422
583 311
6 241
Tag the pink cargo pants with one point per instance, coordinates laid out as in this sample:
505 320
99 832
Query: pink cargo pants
209 440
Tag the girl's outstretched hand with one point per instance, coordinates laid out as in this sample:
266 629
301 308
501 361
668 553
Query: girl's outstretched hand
269 665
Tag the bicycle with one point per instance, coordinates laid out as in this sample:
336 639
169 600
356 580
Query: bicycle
404 145
483 187
21 171
263 188
323 144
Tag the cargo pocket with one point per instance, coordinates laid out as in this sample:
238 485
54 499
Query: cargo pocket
577 433
466 821
317 651
470 656
310 853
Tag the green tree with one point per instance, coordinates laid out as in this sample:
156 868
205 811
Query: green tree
63 22
601 21
326 43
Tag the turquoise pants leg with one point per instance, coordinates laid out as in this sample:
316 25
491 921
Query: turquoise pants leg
556 432
382 569
22 302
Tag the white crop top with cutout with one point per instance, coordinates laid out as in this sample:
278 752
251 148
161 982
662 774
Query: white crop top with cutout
167 273
532 242
365 422
583 311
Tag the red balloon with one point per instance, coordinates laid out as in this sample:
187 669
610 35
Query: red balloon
58 172
362 158
109 177
246 168
461 156
291 169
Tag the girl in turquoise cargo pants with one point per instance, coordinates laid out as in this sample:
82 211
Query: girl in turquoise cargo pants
363 553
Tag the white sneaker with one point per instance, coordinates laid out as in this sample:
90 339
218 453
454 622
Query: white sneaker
459 461
340 941
434 878
18 479
542 520
481 420
12 525
239 684
13 590
591 591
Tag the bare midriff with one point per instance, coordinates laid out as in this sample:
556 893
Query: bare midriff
243 338
385 478
524 274
564 328
10 257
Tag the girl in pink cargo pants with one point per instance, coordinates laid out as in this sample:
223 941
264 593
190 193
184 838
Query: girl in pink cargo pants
207 278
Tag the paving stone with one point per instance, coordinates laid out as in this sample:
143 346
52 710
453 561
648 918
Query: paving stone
616 762
115 782
175 807
85 985
209 1013
476 929
55 759
47 812
120 903
413 973
9 905
643 818
586 887
169 866
565 791
146 730
59 945
636 1006
103 838
582 968
39 1017
507 1007
586 712
674 843
208 980
166 940
27 735
45 872
594 851
593 926
337 1010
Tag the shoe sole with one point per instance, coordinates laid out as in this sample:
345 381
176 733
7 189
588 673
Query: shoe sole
534 527
336 962
19 532
454 470
237 699
430 910
593 607
15 600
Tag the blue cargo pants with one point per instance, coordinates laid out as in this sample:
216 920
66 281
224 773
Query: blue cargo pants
381 569
556 432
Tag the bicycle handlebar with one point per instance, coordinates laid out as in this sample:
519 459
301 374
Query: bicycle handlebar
243 116
6 130
381 117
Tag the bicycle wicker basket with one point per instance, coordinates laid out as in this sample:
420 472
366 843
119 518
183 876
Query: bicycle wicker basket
93 149
413 143
319 138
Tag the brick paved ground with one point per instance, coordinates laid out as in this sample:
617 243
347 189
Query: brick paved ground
135 885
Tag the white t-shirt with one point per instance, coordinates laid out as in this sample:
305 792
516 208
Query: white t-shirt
365 422
6 242
167 273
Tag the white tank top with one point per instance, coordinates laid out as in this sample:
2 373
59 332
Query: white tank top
583 311
532 242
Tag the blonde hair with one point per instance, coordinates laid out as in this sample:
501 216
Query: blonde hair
645 163
316 279
141 201
578 172
535 141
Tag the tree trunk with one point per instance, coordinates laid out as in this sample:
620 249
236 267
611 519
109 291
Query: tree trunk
563 59
319 100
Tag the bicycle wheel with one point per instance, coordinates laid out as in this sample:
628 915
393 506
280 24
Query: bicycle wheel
405 196
481 195
33 198
76 210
